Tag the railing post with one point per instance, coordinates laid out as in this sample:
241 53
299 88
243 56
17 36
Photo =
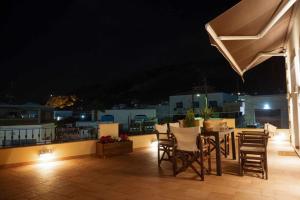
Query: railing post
45 134
4 139
19 137
12 137
39 135
32 136
51 135
26 136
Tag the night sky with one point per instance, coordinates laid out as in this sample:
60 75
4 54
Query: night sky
60 46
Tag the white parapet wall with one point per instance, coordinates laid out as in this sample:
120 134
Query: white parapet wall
31 154
143 141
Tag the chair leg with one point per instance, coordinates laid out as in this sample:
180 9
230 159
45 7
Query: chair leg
174 163
266 165
241 163
158 155
209 160
225 145
228 148
202 165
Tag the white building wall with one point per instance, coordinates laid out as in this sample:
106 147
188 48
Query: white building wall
220 98
293 77
124 116
273 102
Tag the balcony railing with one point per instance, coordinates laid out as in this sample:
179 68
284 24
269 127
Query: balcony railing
36 136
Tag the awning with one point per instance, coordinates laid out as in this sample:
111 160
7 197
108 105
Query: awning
251 32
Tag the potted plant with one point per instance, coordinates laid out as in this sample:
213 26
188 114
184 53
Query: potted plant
109 146
206 113
189 120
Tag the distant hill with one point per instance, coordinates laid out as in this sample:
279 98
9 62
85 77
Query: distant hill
157 84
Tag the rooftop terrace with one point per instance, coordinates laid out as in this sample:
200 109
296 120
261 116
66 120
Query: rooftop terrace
136 176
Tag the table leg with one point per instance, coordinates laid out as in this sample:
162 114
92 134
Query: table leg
233 145
218 155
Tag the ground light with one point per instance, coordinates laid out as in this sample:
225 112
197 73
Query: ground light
46 155
154 144
46 159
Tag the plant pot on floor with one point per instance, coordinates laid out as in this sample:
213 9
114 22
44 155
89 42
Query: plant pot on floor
112 149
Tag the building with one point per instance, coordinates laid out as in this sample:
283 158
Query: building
26 124
179 104
26 114
262 109
62 114
125 116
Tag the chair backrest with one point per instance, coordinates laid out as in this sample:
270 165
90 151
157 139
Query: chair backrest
175 124
253 139
186 138
271 129
181 123
214 125
162 131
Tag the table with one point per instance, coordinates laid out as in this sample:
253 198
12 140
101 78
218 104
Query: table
216 135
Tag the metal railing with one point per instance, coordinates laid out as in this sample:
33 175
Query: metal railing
36 136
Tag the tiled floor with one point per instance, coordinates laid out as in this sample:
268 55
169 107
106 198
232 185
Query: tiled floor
136 176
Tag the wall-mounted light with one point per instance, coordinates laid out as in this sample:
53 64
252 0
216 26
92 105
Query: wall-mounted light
198 95
82 116
267 106
46 155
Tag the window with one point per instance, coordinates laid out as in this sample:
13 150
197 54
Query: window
179 105
196 104
213 104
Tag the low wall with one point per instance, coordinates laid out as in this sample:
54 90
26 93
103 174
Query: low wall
142 141
23 155
30 154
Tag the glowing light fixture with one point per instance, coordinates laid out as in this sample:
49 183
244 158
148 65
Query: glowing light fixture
267 106
46 155
82 116
280 137
154 144
198 95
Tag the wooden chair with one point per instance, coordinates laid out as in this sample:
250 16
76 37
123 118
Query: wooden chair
216 126
190 147
164 143
252 149
174 124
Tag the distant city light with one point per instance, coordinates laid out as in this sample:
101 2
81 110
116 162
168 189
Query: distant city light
267 106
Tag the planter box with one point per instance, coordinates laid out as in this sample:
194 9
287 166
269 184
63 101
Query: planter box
111 149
